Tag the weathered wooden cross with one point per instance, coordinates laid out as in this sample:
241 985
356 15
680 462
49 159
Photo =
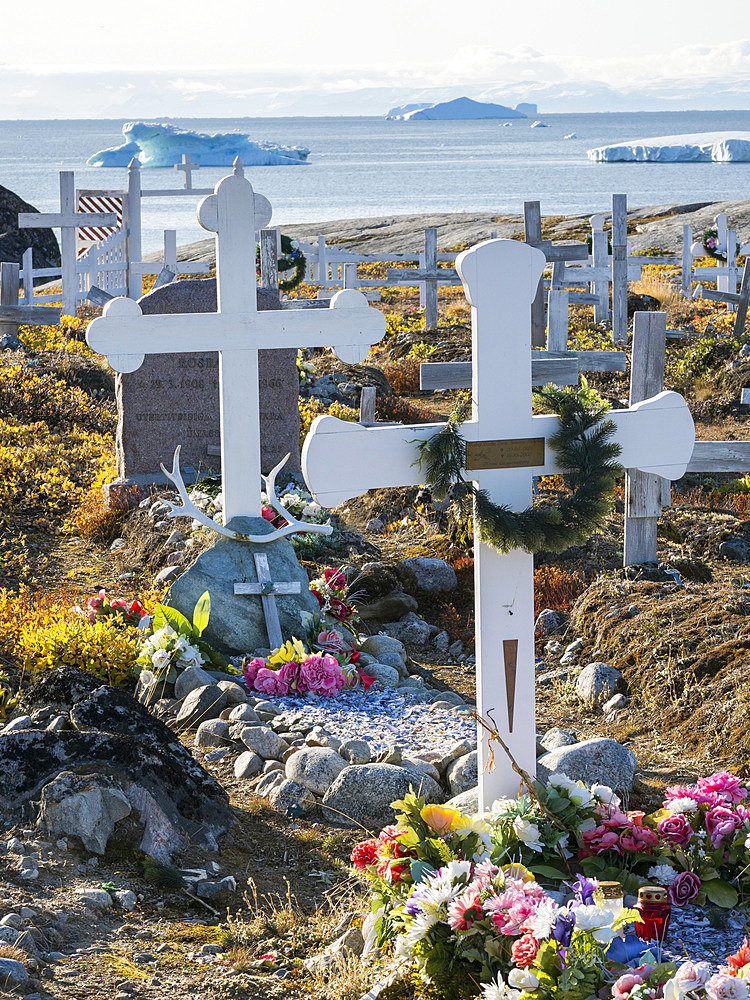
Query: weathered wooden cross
237 331
505 446
67 220
187 167
268 591
13 315
429 275
741 300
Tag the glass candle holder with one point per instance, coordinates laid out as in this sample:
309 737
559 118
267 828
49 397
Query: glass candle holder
609 897
654 912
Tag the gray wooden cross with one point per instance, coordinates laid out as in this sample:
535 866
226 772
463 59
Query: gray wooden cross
740 299
430 275
187 166
12 315
546 366
67 220
268 591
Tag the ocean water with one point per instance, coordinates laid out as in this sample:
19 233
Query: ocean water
360 167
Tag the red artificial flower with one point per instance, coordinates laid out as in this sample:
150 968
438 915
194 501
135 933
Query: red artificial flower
339 609
364 854
524 950
367 681
335 579
740 959
319 597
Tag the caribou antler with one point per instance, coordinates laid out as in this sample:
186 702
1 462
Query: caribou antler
189 509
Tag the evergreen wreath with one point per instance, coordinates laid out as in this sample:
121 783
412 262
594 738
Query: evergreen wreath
584 448
710 242
292 259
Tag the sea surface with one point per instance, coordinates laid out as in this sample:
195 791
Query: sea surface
362 167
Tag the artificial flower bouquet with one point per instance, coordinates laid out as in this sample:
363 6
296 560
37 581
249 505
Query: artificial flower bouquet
175 644
691 981
323 664
118 610
331 591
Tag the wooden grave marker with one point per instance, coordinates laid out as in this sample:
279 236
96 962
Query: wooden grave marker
13 315
429 275
342 460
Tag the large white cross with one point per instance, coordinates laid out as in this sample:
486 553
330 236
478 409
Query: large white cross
67 220
237 331
506 448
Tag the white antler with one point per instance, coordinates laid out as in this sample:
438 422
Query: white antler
189 509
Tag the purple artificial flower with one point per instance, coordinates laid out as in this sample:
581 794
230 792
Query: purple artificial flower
583 888
562 932
684 889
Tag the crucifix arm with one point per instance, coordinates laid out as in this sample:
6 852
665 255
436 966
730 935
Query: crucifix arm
655 435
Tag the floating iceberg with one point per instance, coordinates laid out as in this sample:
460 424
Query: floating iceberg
158 145
570 135
702 147
459 109
539 125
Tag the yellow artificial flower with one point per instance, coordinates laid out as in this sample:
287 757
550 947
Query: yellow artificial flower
440 819
293 651
518 872
472 824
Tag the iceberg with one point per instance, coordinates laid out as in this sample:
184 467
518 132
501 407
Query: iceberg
539 125
461 108
702 147
156 145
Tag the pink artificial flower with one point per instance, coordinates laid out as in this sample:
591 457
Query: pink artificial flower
524 950
640 838
723 987
613 817
721 822
600 839
94 603
463 911
675 829
289 674
250 671
332 642
636 817
622 988
679 792
727 785
269 682
322 675
268 514
684 889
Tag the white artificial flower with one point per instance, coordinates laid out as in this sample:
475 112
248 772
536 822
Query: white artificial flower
403 949
560 780
662 874
522 979
603 935
590 917
541 923
312 509
160 659
190 656
497 990
692 975
528 833
579 795
673 990
420 928
683 805
605 794
501 807
588 824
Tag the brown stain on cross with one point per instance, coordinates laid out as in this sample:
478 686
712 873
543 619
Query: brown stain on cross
510 658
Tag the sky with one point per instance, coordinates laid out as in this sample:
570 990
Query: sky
231 58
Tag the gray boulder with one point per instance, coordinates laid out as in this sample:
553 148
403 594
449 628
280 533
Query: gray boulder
466 802
431 575
385 676
552 622
201 704
356 751
248 764
315 767
735 549
237 623
597 761
45 251
597 682
462 773
243 713
615 703
191 679
555 738
411 628
377 645
291 797
12 973
86 806
212 733
264 741
364 794
236 694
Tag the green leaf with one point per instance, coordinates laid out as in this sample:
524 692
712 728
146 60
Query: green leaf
171 616
420 869
201 612
548 871
721 893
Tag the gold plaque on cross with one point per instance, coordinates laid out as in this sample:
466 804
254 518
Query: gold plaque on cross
515 453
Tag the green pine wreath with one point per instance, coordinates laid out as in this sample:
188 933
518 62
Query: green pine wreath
584 448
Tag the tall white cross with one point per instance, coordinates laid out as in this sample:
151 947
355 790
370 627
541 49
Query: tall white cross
506 447
187 167
237 331
67 220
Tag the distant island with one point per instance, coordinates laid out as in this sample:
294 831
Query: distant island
460 109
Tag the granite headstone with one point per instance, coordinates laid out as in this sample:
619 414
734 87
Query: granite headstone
174 399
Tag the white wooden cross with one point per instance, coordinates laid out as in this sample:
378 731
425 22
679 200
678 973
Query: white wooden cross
67 220
187 166
237 331
506 447
13 315
169 261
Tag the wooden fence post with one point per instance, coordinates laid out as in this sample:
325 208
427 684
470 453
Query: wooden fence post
687 261
135 251
9 276
557 310
532 233
430 287
600 258
619 268
645 494
367 402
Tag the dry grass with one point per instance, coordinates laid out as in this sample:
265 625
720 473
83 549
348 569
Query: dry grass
658 286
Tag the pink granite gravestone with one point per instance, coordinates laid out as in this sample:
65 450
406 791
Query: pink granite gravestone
173 399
